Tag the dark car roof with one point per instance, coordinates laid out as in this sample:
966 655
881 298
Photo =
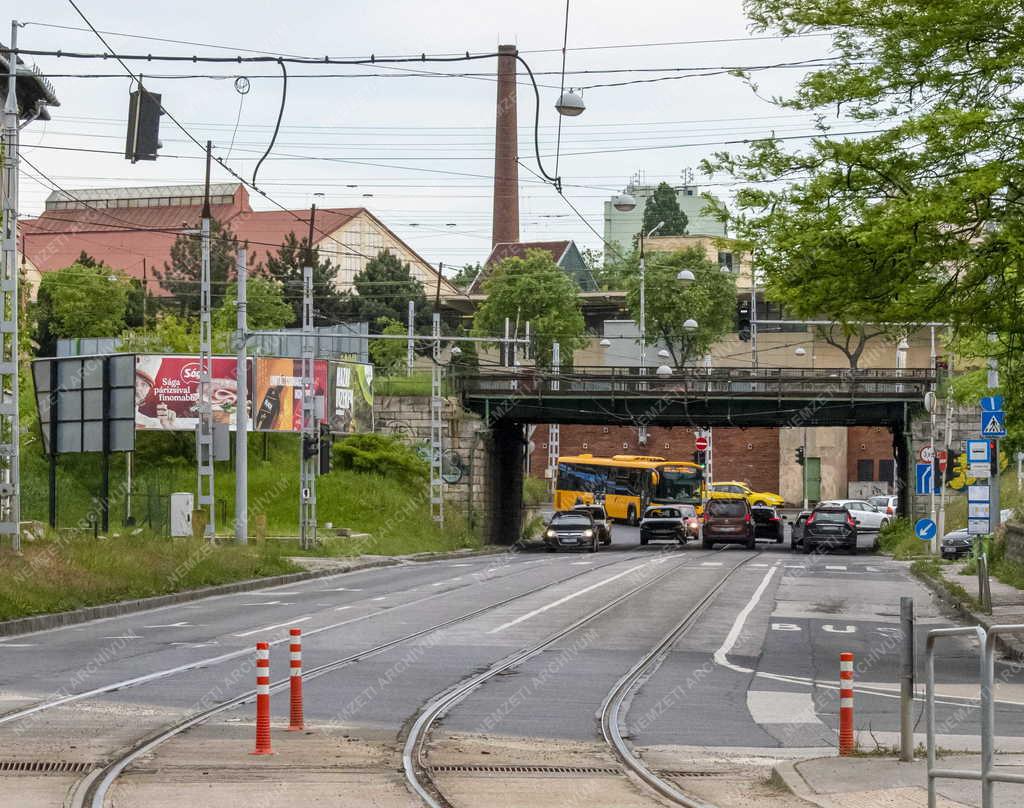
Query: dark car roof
572 514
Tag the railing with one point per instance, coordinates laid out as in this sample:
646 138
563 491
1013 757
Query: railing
988 775
702 382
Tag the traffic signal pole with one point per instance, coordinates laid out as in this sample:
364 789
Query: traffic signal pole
310 437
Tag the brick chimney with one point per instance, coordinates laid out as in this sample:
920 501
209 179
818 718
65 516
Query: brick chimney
505 223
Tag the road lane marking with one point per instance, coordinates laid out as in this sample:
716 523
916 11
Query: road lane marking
382 597
760 565
28 644
460 565
580 563
780 707
794 566
271 628
836 567
721 655
565 599
711 563
341 608
342 589
182 624
124 637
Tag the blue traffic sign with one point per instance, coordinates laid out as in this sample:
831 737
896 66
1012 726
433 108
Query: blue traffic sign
993 424
926 483
992 403
925 529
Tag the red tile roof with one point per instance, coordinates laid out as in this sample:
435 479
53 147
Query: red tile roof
517 249
271 227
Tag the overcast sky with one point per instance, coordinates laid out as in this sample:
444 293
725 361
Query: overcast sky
430 138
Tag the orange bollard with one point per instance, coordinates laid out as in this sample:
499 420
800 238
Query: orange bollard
846 741
262 700
295 680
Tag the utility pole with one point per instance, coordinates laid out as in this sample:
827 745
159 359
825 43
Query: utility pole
204 430
753 315
410 353
554 432
242 408
993 383
437 423
947 443
10 431
308 459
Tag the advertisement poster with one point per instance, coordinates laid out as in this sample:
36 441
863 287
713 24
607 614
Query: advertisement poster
352 401
167 390
277 395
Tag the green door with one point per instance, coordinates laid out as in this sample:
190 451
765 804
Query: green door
812 480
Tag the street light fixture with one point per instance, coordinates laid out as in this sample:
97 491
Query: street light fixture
664 370
800 351
570 104
605 343
624 202
690 325
664 354
456 351
685 276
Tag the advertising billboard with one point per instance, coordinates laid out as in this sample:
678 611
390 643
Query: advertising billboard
277 394
167 392
351 408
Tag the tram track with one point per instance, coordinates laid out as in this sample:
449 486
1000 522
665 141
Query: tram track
95 786
418 772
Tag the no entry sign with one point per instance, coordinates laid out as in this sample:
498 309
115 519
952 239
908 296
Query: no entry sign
701 443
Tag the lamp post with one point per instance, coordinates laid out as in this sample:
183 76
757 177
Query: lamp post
643 296
801 351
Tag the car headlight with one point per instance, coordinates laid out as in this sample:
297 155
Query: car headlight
588 533
551 534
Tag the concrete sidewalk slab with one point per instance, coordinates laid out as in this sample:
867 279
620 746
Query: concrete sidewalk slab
884 782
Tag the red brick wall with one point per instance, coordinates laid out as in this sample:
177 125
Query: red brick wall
733 460
867 443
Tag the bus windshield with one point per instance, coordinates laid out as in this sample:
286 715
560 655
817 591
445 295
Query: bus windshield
678 484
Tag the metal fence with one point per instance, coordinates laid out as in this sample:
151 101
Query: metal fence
989 774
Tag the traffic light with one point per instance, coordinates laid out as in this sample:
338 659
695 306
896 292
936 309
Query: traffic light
326 444
952 461
743 319
800 455
310 446
993 449
144 112
700 458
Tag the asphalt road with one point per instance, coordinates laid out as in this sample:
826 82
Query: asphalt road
758 668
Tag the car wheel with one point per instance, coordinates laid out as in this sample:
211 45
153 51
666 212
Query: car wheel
594 545
779 539
552 549
707 544
852 550
751 544
644 540
806 547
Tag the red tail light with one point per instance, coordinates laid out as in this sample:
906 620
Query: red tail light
747 517
850 521
810 519
774 519
889 511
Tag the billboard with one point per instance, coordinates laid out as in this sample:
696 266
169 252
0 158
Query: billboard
351 408
277 394
167 392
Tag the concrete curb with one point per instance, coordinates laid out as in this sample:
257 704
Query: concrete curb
1010 646
43 622
790 775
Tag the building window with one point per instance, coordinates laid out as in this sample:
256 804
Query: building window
725 259
887 471
866 470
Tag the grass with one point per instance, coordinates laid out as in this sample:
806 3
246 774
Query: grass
931 568
418 384
536 492
897 538
1010 496
53 575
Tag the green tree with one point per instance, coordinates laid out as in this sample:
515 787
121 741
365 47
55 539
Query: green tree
181 277
383 289
710 300
80 301
464 278
389 355
330 306
663 206
533 290
266 309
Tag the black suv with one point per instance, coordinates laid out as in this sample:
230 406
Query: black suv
571 530
829 526
767 523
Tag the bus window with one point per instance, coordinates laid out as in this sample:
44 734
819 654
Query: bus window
681 484
626 482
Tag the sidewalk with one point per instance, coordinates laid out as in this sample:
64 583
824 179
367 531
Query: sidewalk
1007 605
883 782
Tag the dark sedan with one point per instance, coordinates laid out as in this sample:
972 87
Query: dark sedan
956 543
767 523
830 526
571 530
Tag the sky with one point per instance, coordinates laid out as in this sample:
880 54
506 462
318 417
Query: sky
416 150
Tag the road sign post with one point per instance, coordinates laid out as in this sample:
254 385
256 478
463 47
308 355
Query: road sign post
925 529
993 426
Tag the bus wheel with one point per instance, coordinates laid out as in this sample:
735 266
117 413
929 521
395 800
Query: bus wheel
631 516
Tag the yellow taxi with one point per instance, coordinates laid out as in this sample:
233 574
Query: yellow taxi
721 490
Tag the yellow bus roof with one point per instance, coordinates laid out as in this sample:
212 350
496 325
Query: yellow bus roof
625 461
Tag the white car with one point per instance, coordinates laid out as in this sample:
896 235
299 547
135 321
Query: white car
869 518
885 503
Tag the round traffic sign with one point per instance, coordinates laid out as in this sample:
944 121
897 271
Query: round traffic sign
701 443
925 529
927 454
942 457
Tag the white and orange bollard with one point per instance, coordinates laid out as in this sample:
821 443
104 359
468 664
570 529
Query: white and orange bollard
262 700
295 679
846 741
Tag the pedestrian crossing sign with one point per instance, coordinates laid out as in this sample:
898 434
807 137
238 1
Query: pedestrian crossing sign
993 424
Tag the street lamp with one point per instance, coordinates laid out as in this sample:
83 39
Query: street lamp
685 276
643 294
664 370
690 325
624 202
605 343
801 351
456 351
570 104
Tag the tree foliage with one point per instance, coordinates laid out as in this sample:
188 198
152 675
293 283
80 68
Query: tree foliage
467 273
265 306
389 355
919 216
384 288
80 301
330 306
533 290
710 300
663 206
181 277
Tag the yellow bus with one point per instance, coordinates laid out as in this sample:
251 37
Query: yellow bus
627 484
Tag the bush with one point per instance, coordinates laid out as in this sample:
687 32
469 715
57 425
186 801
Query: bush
535 492
897 538
384 455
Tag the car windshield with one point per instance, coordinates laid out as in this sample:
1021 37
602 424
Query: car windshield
832 517
663 513
879 502
571 520
680 484
762 514
727 507
597 513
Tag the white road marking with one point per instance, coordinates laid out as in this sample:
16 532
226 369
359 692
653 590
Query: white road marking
566 599
760 565
721 655
711 563
794 566
341 608
779 707
266 603
382 597
124 637
342 589
17 644
171 625
460 565
580 563
271 628
873 569
837 567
